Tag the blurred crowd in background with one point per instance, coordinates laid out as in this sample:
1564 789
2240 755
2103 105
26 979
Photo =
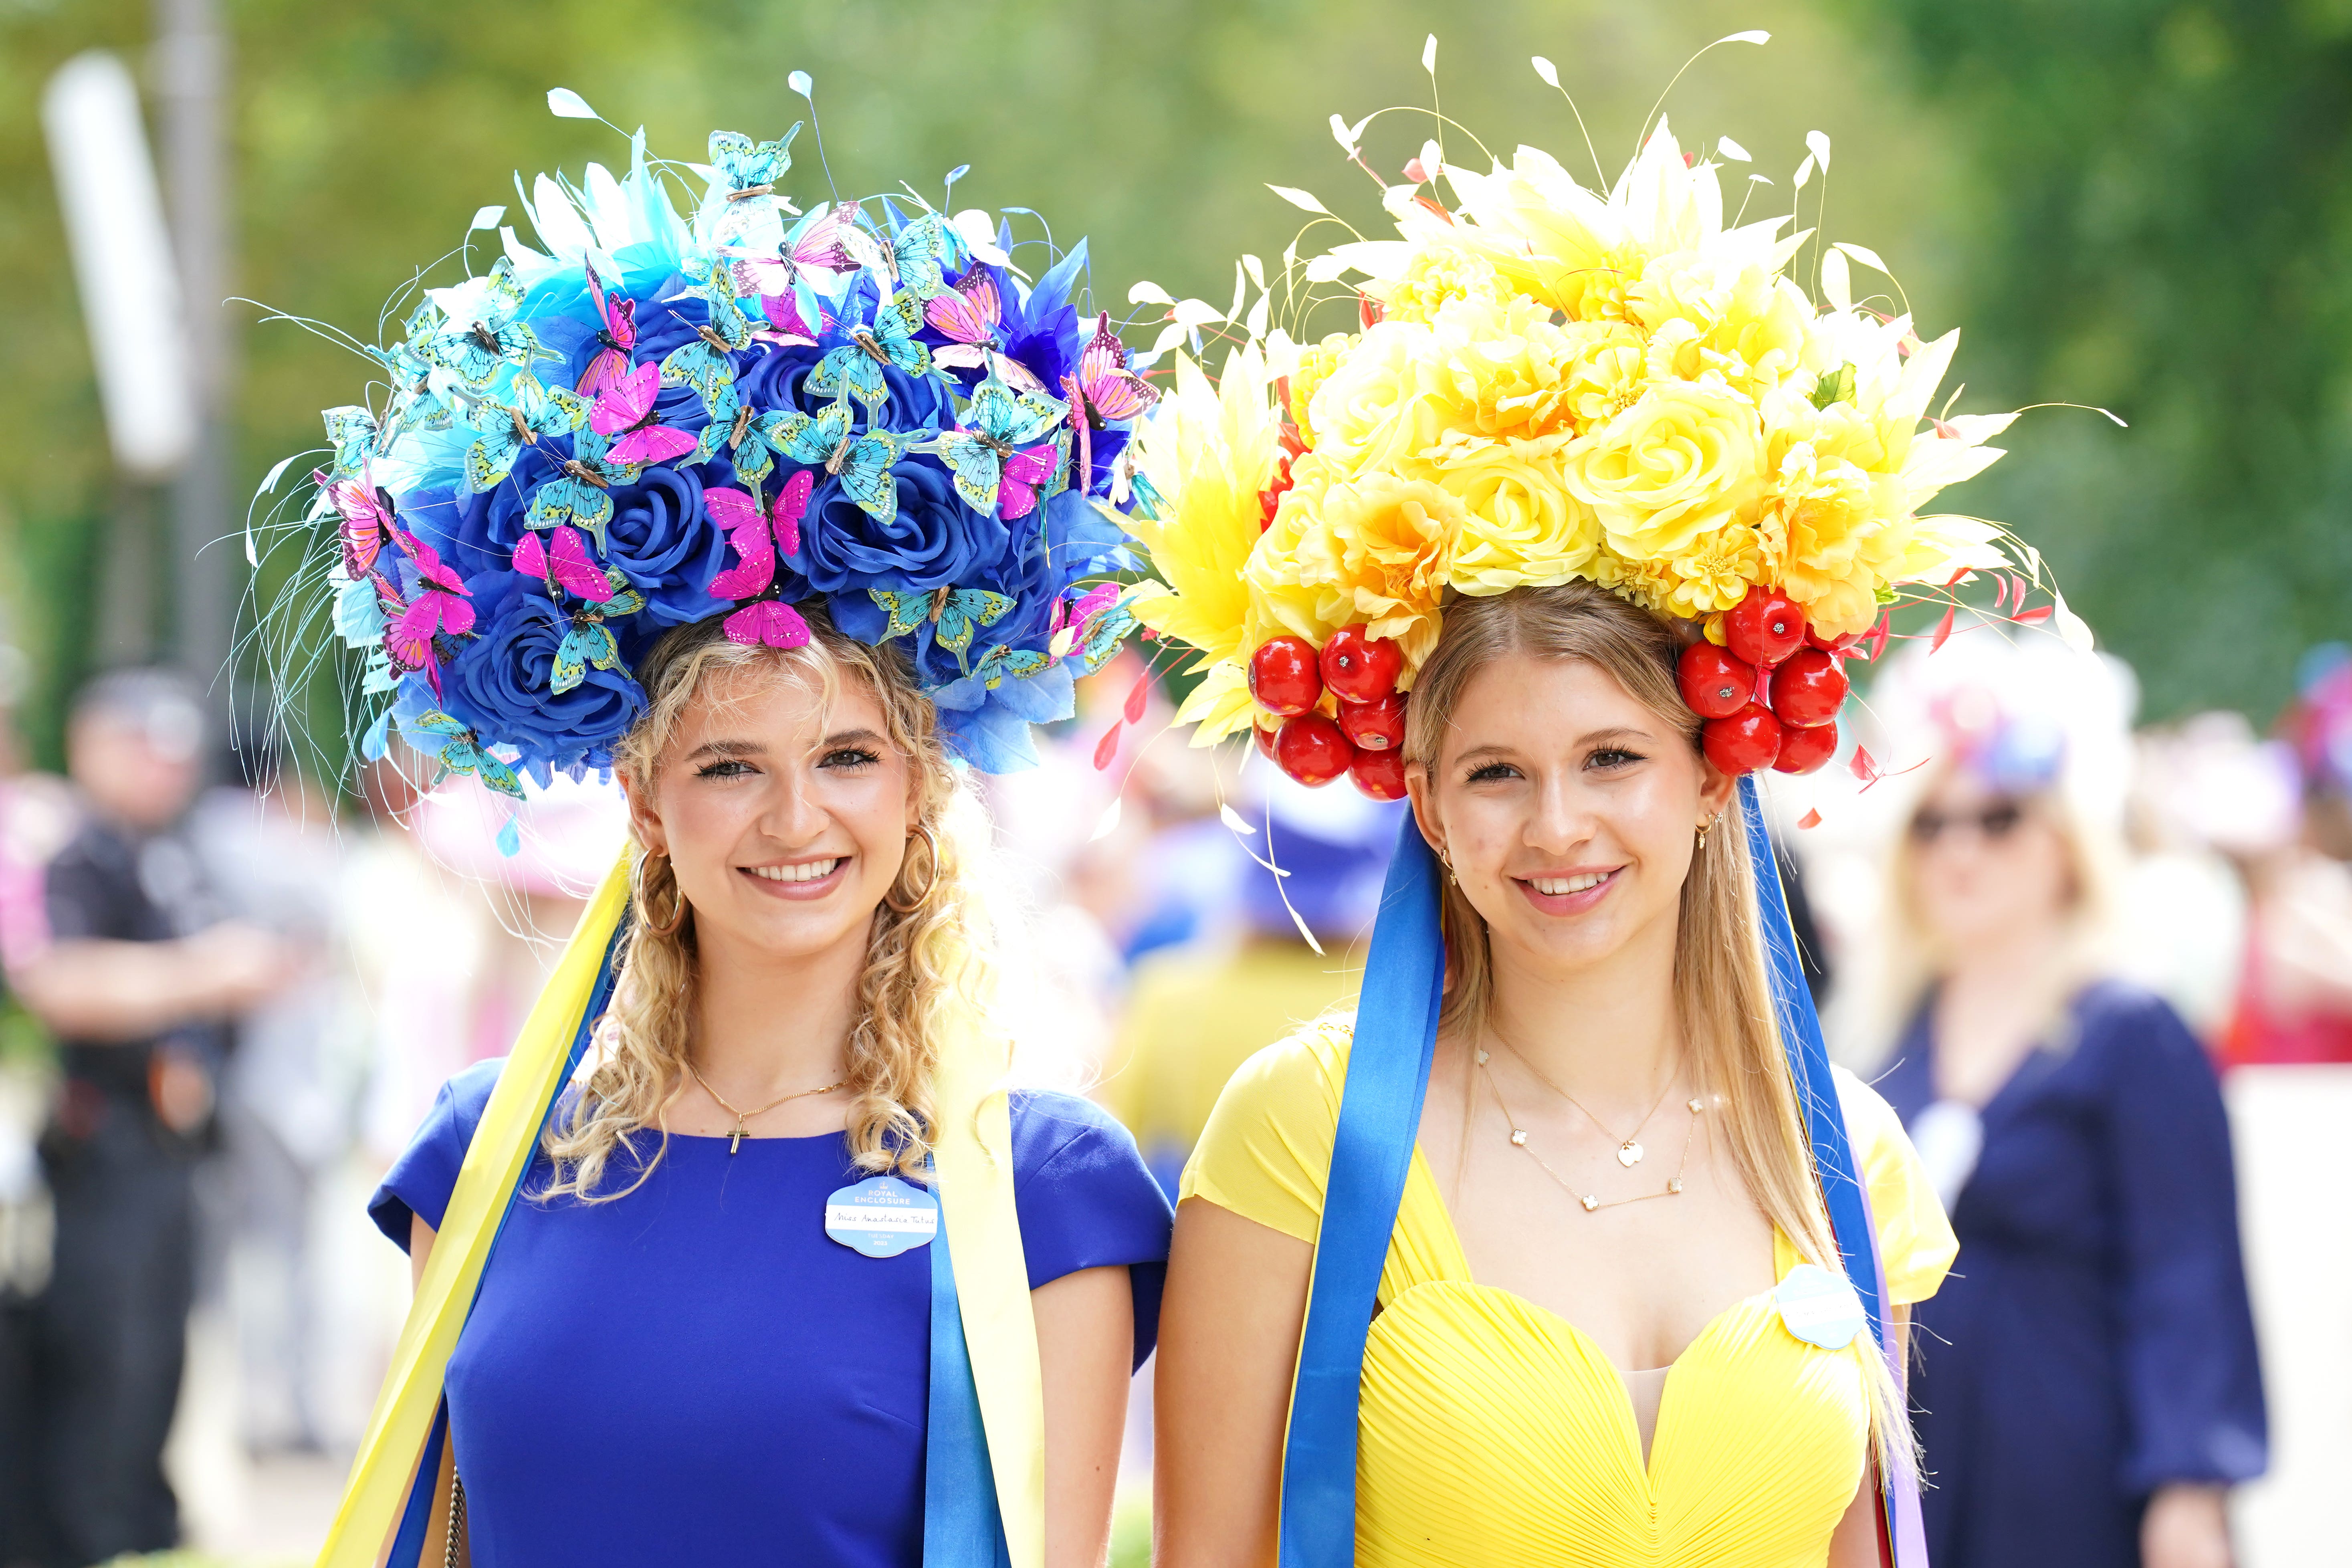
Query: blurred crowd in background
218 1035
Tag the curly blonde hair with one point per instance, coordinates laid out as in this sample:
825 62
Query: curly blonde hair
928 952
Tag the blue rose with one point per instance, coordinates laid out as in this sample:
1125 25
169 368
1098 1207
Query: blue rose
777 379
497 686
934 542
664 539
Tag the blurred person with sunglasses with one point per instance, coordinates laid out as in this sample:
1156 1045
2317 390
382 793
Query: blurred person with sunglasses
2089 1388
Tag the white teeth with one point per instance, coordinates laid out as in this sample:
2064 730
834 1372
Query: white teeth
808 871
1553 887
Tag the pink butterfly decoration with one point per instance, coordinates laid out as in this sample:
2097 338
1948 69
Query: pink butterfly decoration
770 623
759 537
618 335
625 408
1112 391
563 561
1016 485
785 327
367 520
823 246
969 312
1079 611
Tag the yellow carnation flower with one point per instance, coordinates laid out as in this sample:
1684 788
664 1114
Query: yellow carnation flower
1439 273
1719 315
1607 372
1368 549
1679 463
1716 574
1503 369
1315 364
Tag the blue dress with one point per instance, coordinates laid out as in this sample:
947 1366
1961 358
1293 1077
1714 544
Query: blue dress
695 1373
2093 1341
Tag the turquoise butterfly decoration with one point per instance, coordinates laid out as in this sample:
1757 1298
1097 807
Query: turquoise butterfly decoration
749 168
856 367
923 251
415 404
461 752
590 640
810 438
865 468
538 413
1104 637
477 351
862 463
1001 664
353 431
750 449
704 363
955 614
998 422
576 496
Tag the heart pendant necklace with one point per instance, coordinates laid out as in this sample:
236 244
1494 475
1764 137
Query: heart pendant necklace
1629 1147
1592 1202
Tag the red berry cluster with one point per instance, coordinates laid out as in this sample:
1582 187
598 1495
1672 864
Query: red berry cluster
1366 742
1770 693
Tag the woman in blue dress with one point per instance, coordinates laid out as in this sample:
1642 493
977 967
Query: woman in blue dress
790 515
670 1359
2088 1386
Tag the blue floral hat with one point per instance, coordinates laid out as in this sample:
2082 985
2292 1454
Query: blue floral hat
657 416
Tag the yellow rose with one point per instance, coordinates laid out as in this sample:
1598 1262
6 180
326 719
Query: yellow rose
1438 273
1368 549
1377 410
1680 462
1522 526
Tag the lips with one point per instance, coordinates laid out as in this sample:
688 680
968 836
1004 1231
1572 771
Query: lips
797 878
1569 893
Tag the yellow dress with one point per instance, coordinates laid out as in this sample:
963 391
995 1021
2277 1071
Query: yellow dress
1493 1433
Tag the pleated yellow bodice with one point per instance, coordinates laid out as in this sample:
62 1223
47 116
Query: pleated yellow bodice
1494 1434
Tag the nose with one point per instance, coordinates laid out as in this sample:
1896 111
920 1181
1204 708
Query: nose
790 814
1563 818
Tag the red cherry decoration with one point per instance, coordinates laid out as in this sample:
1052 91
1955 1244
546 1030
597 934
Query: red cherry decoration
1264 738
1749 739
1360 669
1311 748
1713 682
1804 750
1380 775
1765 627
1832 644
1374 726
1284 676
1808 689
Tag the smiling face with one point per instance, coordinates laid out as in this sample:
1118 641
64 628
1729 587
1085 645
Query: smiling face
1568 809
784 816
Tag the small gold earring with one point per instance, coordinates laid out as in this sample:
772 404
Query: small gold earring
1446 861
1704 828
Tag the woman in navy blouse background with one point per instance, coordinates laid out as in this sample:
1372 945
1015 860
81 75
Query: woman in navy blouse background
2088 1384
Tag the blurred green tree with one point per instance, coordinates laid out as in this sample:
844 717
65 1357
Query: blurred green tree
2158 200
369 131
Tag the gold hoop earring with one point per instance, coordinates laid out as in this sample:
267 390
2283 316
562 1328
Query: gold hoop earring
642 896
1445 860
930 886
1706 827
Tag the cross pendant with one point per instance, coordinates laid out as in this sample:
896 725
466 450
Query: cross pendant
736 1142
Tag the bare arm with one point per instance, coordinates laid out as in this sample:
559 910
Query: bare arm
1855 1544
1230 1323
1086 1349
100 990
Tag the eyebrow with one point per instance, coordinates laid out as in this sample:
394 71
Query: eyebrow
727 749
1592 738
860 737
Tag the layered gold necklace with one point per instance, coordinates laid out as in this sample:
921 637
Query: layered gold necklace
1629 1149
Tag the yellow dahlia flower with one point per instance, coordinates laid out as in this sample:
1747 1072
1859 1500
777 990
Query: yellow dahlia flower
1439 273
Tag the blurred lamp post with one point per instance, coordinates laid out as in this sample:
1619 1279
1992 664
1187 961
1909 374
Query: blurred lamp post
157 329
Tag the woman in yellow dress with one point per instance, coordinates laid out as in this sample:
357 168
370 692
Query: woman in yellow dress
1568 1247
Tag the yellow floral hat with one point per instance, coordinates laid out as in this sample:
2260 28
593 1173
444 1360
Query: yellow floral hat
1550 383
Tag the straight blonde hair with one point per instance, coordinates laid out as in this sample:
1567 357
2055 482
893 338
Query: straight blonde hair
929 950
1722 987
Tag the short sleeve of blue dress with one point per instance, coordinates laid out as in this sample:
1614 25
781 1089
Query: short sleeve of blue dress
697 1370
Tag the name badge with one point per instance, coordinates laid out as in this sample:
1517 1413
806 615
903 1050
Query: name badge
1819 1307
882 1217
